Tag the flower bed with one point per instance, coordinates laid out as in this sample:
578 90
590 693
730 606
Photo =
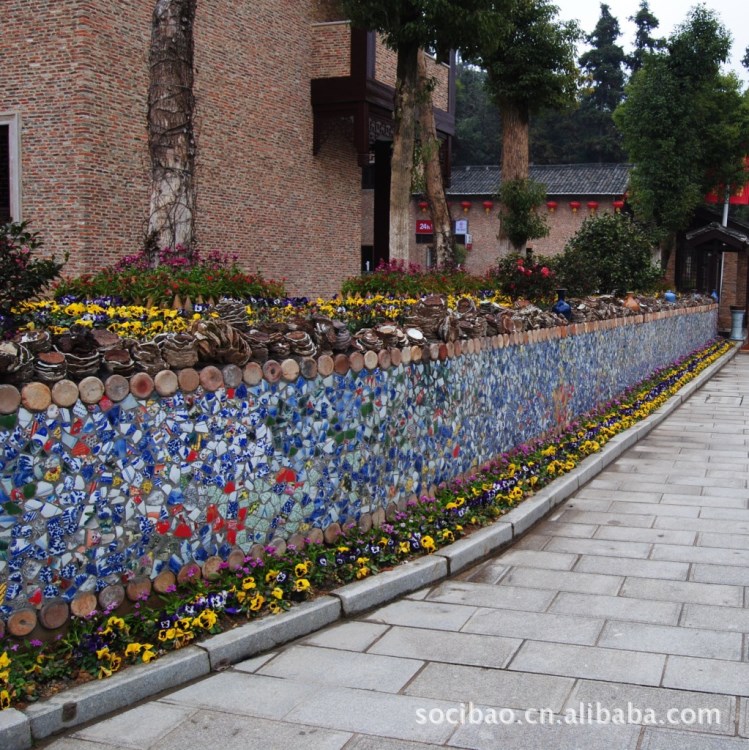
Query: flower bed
248 586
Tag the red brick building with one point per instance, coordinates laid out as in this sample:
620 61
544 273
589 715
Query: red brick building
573 191
292 105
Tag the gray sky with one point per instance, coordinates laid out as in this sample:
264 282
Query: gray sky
733 13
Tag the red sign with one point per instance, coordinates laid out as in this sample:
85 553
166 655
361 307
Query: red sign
424 226
739 196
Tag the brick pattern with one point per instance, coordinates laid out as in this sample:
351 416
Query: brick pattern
386 64
77 73
330 49
484 228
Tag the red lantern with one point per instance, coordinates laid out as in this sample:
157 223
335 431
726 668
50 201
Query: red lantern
488 206
593 206
552 206
618 206
466 206
574 205
423 205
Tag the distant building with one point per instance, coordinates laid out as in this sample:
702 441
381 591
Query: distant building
573 192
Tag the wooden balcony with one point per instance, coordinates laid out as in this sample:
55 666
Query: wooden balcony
355 77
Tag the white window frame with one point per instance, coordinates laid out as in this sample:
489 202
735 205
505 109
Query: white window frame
13 121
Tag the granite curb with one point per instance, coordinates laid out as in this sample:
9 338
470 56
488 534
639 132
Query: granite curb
19 729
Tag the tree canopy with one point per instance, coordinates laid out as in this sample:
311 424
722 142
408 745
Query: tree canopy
645 43
685 124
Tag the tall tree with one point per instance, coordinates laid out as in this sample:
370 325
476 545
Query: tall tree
433 181
171 139
602 66
685 125
529 67
407 27
645 22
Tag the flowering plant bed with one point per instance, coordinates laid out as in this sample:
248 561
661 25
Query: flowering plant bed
246 587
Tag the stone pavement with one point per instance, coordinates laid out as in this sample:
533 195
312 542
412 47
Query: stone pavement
631 597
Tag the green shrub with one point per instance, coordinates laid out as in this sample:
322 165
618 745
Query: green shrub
519 199
399 279
610 253
134 280
23 276
530 278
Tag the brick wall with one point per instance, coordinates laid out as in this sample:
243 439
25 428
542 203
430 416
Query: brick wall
331 44
484 228
76 71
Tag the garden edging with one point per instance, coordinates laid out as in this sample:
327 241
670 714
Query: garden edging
20 728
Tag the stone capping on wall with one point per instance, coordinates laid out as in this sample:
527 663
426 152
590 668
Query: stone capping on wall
37 396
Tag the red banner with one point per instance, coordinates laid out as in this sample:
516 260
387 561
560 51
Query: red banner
424 226
739 196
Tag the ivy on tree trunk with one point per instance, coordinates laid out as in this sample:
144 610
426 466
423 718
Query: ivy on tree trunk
433 185
404 139
171 139
515 159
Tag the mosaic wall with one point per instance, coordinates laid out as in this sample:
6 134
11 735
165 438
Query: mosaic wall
94 493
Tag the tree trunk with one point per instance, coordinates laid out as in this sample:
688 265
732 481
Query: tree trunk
171 140
404 137
514 153
430 156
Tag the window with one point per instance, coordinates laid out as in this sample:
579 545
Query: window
10 168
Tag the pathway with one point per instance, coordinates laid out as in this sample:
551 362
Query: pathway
631 598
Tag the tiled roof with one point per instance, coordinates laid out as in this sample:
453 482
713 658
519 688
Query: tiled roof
560 179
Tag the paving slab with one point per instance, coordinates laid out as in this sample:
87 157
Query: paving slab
590 662
348 636
608 519
563 580
618 608
662 639
139 727
625 533
625 566
731 574
666 739
644 705
560 736
525 558
327 666
655 508
703 501
732 514
618 494
363 742
444 646
243 694
215 729
692 554
683 591
735 619
490 571
371 712
712 675
439 615
490 687
574 530
537 626
499 597
727 541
